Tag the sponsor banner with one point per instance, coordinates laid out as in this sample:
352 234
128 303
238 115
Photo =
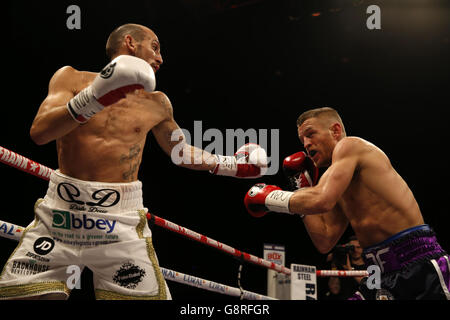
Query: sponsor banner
71 221
210 285
102 229
303 282
29 267
83 240
278 284
274 253
36 257
10 231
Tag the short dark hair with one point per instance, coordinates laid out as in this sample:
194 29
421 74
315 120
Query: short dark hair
320 112
116 37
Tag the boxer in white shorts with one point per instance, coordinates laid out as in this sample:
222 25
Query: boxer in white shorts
93 213
91 224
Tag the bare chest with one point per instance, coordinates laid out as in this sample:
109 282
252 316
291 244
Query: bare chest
121 121
358 200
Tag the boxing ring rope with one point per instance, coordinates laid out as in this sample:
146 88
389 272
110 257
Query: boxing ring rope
240 254
22 163
17 161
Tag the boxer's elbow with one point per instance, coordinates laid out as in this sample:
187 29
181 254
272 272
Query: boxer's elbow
39 141
323 249
38 136
323 243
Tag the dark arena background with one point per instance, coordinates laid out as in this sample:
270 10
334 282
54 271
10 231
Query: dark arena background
250 65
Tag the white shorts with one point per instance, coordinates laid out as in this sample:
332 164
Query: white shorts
102 226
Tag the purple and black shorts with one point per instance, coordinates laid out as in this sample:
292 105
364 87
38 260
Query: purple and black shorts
412 266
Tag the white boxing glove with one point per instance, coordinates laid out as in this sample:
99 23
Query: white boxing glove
249 161
122 75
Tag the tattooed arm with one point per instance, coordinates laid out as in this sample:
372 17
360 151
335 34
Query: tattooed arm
172 140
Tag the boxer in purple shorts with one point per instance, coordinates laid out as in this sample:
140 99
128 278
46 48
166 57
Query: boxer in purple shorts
360 187
413 267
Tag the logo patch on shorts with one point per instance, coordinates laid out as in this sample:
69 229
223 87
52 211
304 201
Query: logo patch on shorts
61 219
43 245
28 268
383 294
66 220
129 275
103 197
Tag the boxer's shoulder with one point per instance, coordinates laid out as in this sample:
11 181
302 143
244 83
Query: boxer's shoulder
68 72
158 96
368 154
354 145
361 151
350 146
159 100
164 103
72 78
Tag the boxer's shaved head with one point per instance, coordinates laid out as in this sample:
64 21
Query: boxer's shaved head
327 115
116 38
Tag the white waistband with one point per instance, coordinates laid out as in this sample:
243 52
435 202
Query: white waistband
68 193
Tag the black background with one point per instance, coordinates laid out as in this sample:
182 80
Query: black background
243 64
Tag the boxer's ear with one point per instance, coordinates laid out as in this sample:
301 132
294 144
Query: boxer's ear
336 130
130 44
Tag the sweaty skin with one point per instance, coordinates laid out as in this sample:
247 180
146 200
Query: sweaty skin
109 146
359 187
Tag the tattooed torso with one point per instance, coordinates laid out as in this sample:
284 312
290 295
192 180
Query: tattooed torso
109 146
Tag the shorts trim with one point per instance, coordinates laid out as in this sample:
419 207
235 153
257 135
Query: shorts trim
36 220
34 289
441 277
162 294
110 295
359 294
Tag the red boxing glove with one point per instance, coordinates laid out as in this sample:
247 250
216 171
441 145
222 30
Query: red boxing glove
262 198
300 171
